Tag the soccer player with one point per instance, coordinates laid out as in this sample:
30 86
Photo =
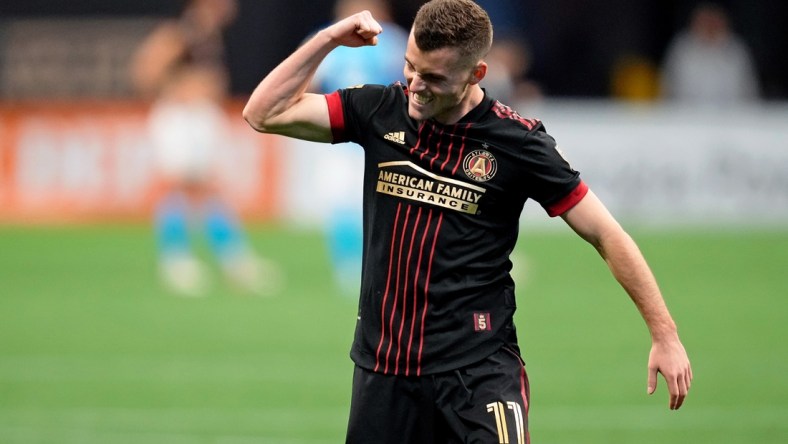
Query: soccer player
354 66
447 172
181 64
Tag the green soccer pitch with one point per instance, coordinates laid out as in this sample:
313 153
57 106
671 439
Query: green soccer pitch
92 350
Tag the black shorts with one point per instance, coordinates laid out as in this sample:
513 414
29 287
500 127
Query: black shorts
486 402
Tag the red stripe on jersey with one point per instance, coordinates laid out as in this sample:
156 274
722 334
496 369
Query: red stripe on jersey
336 116
396 291
448 151
386 293
418 141
462 149
427 292
505 112
405 292
429 137
568 201
438 147
415 291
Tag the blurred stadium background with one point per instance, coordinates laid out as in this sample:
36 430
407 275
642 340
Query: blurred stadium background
93 350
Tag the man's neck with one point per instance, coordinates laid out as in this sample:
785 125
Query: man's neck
472 99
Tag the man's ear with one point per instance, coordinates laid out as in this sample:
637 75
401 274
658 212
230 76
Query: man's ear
478 73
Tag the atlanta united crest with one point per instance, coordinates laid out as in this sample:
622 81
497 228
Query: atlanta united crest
480 165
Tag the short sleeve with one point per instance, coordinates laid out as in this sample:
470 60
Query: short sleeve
551 180
351 109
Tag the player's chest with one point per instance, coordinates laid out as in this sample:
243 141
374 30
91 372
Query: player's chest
448 167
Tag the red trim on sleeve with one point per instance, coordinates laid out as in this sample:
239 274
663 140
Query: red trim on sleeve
569 201
336 116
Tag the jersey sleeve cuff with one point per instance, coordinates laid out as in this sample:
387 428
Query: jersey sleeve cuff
336 116
568 201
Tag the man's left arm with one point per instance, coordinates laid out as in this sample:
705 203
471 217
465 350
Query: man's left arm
593 222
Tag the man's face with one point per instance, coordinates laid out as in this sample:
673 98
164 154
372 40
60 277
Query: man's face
438 83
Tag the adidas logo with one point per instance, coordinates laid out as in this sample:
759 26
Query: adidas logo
396 136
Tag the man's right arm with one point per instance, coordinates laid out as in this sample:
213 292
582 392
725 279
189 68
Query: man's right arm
280 103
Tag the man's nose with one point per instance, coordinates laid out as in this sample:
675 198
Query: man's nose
416 84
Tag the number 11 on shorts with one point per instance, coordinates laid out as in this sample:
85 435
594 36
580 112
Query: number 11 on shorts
498 409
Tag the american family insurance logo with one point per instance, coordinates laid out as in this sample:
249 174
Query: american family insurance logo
415 183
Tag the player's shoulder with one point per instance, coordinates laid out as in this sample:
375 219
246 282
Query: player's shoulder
365 104
506 116
524 135
375 96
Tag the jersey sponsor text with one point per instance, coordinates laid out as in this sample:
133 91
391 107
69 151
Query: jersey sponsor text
435 190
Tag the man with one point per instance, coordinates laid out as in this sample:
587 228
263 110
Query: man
708 63
181 65
343 67
447 171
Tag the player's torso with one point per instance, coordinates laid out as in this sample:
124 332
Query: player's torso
442 204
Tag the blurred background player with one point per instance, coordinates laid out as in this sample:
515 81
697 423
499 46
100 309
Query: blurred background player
181 65
342 68
511 56
510 60
345 67
708 63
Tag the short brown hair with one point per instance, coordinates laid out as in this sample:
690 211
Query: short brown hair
460 24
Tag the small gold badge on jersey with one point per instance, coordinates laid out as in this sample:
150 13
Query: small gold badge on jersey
481 322
480 165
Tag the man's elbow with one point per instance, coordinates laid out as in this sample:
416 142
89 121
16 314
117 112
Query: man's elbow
254 120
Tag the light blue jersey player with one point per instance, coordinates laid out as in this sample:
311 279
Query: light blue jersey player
342 68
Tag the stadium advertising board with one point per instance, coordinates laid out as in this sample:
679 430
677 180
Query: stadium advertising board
94 161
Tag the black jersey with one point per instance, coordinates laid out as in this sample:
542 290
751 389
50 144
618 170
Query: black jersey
441 215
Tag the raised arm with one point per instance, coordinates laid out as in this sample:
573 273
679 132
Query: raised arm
591 220
152 61
280 103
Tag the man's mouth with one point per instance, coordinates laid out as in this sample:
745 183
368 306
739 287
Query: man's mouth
421 99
